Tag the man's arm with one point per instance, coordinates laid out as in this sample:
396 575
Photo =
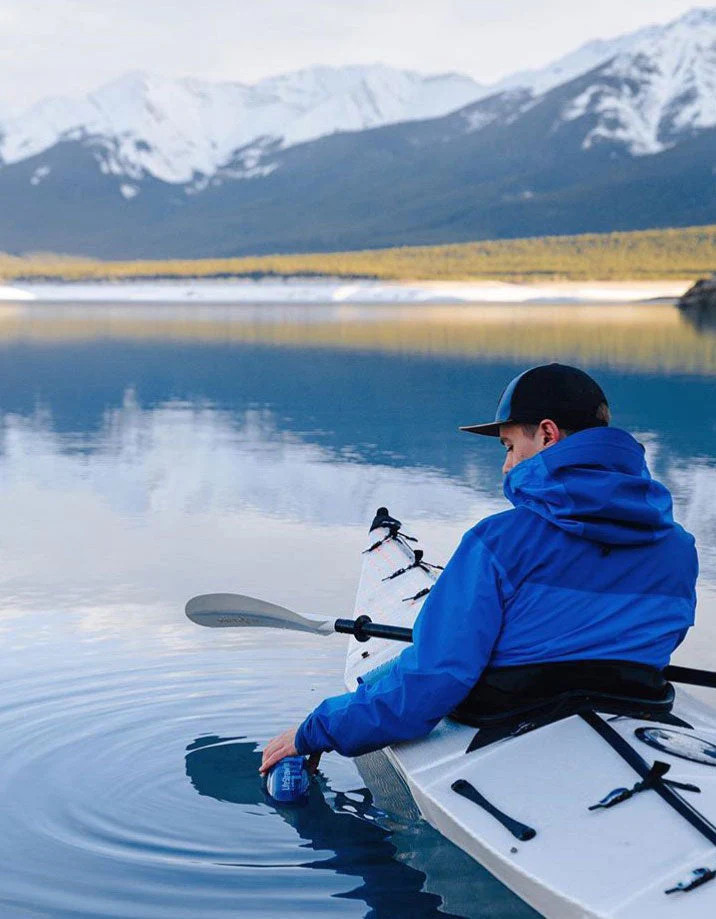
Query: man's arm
453 639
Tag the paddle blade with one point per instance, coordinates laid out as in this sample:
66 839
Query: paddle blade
235 610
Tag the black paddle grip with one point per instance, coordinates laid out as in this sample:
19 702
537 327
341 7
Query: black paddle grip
364 628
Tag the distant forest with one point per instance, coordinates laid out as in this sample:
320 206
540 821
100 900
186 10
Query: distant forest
638 255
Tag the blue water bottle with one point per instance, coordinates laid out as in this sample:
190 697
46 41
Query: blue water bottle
286 784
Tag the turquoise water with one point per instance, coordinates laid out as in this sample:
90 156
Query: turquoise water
156 456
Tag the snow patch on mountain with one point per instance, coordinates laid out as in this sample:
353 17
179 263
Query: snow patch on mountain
503 107
39 174
180 130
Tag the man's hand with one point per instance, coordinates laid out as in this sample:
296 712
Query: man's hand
285 745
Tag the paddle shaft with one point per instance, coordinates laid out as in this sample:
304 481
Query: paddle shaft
691 676
363 629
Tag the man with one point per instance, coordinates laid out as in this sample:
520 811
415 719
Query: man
588 567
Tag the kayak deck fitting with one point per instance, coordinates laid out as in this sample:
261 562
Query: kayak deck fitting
585 814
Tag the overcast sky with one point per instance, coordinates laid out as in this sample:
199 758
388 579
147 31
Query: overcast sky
67 47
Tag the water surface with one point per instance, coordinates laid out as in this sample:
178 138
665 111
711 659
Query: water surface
149 453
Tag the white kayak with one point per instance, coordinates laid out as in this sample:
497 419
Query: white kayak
610 862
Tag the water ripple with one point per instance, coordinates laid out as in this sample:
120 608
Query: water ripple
118 801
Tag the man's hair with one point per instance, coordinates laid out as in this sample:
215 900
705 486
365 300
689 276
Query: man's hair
603 417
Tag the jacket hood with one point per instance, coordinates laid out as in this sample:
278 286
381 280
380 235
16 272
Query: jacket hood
594 484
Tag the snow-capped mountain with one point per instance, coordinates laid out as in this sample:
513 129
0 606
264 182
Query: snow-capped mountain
176 130
650 88
657 91
619 135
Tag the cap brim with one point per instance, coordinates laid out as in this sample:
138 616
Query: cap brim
492 429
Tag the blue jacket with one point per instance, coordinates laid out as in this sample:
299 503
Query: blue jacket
588 564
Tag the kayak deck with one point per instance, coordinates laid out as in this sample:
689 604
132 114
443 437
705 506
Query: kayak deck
614 862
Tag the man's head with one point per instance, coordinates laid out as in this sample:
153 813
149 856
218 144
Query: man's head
542 406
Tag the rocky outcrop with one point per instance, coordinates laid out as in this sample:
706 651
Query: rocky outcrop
698 304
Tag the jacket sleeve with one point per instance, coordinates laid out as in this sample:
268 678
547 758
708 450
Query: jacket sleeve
454 636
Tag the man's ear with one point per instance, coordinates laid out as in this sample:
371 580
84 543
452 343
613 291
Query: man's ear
549 433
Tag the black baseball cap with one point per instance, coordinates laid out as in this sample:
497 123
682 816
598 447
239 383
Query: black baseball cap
567 395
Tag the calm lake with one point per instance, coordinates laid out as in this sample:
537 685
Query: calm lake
150 453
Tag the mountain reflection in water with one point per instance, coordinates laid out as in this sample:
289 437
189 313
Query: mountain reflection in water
653 336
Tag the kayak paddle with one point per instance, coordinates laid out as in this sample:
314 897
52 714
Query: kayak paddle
237 610
232 610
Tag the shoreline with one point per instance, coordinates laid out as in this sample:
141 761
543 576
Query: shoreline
336 291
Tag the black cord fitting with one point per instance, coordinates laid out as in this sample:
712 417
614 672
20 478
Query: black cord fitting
359 628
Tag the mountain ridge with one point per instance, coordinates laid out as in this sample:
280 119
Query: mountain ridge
627 144
177 129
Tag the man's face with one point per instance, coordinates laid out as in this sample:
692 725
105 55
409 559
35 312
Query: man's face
521 445
518 445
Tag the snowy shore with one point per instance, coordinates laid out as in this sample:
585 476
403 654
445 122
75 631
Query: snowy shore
338 291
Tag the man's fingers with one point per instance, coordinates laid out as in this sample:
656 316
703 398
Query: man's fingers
271 746
273 753
271 749
270 759
277 748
